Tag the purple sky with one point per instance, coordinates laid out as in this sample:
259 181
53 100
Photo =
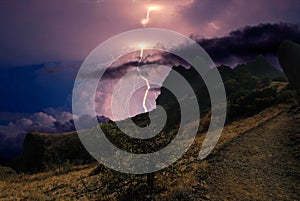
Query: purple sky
42 44
35 31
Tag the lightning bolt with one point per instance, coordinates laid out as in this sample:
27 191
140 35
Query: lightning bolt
214 26
144 78
141 57
146 20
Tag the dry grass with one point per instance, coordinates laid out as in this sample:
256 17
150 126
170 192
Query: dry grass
52 185
177 182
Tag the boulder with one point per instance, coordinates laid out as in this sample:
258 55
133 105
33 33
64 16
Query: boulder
289 59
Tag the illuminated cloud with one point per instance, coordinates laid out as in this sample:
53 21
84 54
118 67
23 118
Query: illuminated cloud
33 34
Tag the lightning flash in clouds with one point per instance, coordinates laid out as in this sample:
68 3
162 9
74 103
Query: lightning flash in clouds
146 20
141 47
214 26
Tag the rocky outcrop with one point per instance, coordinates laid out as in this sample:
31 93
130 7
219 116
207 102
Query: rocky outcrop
289 59
260 68
45 151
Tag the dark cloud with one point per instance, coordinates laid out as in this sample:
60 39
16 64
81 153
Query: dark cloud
119 71
247 43
119 68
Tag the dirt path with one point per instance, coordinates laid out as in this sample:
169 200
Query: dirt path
258 165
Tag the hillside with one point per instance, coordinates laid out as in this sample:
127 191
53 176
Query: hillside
260 127
239 158
260 68
237 84
45 151
259 165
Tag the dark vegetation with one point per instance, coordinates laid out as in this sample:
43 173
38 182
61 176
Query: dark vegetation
248 94
47 151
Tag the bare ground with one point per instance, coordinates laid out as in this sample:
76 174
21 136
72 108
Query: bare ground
261 164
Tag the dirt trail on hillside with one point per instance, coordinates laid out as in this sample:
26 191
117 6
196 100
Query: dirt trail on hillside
256 158
261 164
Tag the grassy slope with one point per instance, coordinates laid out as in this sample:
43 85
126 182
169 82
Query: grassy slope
183 180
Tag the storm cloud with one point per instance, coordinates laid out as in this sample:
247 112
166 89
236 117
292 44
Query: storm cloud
247 43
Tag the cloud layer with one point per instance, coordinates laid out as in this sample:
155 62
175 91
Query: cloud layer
35 31
247 43
13 134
